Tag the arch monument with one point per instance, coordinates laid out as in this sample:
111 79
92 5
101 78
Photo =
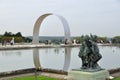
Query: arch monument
39 22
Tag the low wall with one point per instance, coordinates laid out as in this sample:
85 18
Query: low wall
31 70
112 71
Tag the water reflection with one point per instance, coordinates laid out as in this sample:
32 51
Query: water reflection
11 52
36 59
67 57
110 58
15 60
58 50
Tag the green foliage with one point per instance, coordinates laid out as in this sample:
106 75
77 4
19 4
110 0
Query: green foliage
7 36
10 34
116 39
116 79
18 34
104 39
27 40
78 39
54 41
18 39
8 39
33 78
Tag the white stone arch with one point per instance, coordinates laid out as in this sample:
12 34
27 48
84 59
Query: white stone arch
39 22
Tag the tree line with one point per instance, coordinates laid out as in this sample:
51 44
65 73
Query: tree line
114 40
18 38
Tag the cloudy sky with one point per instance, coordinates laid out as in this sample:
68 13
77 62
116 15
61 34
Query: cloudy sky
100 17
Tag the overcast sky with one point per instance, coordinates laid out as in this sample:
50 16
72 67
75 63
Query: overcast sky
100 17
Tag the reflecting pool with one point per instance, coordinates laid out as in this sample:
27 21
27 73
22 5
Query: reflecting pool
65 58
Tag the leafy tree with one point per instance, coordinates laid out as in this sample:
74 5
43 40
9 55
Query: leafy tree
8 34
78 39
5 38
26 39
116 39
18 39
104 39
18 34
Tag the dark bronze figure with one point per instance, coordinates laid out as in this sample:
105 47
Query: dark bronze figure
89 54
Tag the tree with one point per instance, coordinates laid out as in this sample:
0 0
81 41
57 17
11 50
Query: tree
116 39
104 39
8 34
18 34
78 39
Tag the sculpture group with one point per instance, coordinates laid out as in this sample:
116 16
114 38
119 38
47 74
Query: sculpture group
89 53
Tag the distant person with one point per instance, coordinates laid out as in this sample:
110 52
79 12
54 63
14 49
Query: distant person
68 41
2 43
12 42
5 43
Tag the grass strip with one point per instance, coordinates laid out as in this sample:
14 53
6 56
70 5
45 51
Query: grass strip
34 78
116 78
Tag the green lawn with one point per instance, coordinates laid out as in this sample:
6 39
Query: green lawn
116 79
33 78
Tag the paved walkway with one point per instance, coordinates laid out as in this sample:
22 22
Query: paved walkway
30 45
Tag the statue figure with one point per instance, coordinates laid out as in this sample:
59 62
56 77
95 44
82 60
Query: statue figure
89 53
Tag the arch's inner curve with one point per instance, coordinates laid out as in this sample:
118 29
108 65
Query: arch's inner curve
39 22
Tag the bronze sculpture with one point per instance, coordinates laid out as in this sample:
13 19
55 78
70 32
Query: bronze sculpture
89 53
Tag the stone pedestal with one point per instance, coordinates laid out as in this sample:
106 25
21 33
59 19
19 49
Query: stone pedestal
81 75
